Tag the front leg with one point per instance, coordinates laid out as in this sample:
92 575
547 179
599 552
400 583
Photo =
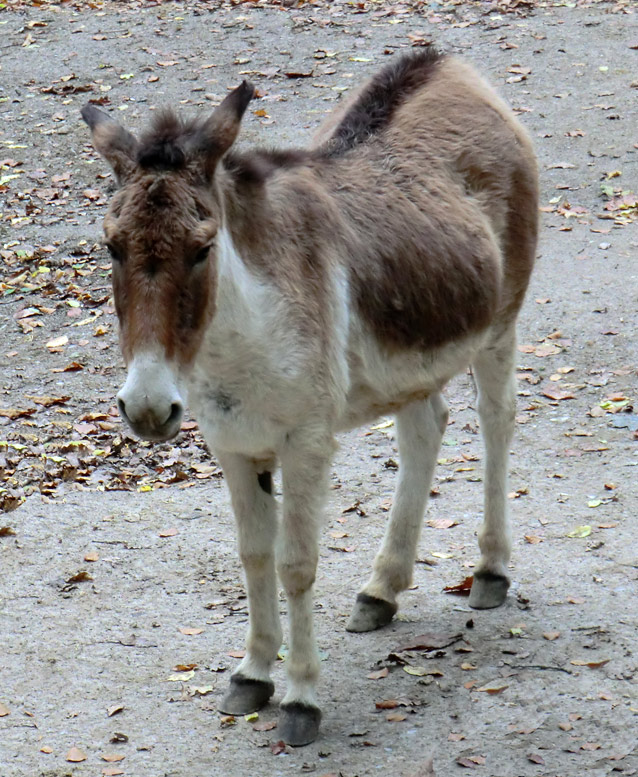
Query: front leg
256 516
304 464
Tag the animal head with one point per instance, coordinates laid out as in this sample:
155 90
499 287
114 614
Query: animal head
160 229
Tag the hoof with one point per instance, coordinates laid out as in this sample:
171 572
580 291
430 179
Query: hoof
246 695
488 590
298 723
370 613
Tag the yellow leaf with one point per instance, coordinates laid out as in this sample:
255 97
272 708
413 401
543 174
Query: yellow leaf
58 342
580 532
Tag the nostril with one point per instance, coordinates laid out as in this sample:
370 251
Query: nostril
176 412
121 406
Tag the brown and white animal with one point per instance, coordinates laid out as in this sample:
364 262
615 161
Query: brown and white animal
294 294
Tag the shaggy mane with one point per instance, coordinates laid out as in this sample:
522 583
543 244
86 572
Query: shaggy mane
163 146
373 109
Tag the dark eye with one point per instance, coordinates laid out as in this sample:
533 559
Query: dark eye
201 255
116 256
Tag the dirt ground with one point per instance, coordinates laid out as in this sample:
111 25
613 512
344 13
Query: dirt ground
117 559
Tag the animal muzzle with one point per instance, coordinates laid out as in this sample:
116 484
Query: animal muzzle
150 401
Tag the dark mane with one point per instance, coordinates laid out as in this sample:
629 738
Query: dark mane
373 109
255 166
164 145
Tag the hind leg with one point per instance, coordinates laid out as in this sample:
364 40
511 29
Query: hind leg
494 372
420 429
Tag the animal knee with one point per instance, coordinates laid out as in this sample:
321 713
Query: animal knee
297 577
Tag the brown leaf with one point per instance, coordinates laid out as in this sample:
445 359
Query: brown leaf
49 401
590 664
75 755
590 746
460 589
114 710
113 757
190 632
184 667
278 747
236 653
91 557
553 391
14 413
430 641
387 704
80 577
4 711
492 689
112 771
6 531
265 725
442 523
379 675
396 717
535 758
46 749
551 635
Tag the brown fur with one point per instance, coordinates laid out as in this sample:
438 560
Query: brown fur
424 189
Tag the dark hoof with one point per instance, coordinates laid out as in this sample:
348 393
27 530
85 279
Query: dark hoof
370 613
298 723
246 695
488 590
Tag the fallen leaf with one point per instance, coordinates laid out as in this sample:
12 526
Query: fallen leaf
387 704
442 523
46 749
57 342
460 589
265 725
4 711
535 758
551 635
113 757
91 557
580 532
7 531
492 688
590 664
75 755
190 632
379 675
114 710
168 533
396 717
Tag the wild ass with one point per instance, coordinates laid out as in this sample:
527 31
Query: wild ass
293 294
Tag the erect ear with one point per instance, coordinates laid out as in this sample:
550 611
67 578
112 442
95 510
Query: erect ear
112 141
219 131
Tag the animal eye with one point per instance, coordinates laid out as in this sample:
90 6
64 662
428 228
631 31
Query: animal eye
116 256
201 255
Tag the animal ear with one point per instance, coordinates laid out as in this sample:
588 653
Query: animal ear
219 131
112 141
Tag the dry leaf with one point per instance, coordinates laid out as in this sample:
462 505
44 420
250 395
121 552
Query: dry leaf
265 725
379 675
168 532
590 664
492 689
4 711
396 717
190 632
460 589
113 757
75 755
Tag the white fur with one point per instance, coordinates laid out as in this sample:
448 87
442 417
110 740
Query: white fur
262 394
